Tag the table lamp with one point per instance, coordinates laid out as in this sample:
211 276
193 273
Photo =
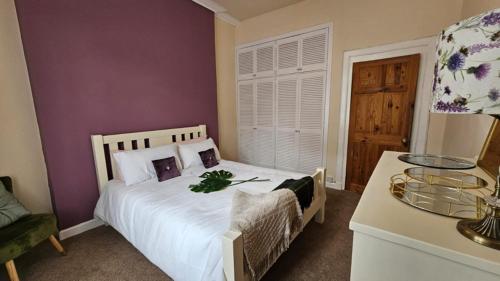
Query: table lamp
467 81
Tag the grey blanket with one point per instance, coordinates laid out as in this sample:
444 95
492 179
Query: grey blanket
268 222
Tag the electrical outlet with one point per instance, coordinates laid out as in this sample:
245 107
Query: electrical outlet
329 179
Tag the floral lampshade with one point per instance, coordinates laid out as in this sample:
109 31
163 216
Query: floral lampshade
467 70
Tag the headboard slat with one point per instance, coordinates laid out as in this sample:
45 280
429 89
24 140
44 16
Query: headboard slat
113 147
127 145
104 146
140 144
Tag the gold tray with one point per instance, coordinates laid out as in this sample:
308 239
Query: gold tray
436 198
448 178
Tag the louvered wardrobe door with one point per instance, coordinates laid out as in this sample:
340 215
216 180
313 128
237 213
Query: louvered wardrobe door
311 120
286 123
264 134
246 107
246 145
246 121
288 51
246 63
264 60
314 50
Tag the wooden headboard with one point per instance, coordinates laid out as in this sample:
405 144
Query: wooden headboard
104 146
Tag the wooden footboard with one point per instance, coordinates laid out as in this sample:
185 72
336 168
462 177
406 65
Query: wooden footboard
232 241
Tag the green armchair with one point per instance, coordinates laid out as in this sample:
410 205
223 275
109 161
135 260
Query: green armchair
24 234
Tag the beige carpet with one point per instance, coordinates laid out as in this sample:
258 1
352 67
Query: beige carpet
321 252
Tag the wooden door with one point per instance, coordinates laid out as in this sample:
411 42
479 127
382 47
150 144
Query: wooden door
381 114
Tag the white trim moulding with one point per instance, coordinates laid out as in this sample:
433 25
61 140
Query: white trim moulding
219 11
79 228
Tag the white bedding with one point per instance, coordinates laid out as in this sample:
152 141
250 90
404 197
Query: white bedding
178 230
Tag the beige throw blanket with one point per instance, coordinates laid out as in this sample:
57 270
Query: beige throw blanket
268 222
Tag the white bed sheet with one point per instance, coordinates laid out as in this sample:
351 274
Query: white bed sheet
178 230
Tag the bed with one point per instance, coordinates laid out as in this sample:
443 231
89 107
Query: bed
185 234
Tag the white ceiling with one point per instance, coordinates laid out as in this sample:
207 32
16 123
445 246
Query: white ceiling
244 9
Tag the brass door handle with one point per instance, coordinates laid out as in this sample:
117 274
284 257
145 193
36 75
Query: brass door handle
404 141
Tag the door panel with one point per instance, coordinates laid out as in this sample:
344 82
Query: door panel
246 63
264 103
314 51
287 149
288 55
264 60
264 147
381 114
246 145
264 133
246 104
310 151
287 102
287 95
312 95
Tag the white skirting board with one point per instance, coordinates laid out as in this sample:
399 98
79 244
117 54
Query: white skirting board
79 228
334 185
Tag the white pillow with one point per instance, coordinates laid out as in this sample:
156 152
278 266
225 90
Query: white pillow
136 166
189 152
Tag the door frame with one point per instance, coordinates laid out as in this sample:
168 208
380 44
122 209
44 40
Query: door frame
426 48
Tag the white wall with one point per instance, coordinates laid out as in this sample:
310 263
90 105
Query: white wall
357 24
20 147
226 96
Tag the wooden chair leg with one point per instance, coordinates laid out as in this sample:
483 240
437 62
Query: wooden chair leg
57 245
11 270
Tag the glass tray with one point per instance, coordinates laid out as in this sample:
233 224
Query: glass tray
446 178
438 199
436 161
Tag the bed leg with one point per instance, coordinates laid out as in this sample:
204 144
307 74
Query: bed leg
232 249
320 215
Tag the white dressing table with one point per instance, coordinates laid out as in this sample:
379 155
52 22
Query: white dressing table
394 241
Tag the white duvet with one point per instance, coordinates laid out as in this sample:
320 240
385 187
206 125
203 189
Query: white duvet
178 230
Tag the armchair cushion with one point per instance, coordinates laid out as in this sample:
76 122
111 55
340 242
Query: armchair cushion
10 209
24 234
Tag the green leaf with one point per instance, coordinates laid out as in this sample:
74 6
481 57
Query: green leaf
218 180
213 181
221 174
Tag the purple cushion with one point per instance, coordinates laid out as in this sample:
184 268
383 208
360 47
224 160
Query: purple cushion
166 168
208 158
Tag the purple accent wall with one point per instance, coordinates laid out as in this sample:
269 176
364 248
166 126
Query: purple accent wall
112 66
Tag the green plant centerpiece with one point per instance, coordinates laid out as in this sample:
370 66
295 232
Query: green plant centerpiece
218 180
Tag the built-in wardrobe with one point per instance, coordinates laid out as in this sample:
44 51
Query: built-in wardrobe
283 88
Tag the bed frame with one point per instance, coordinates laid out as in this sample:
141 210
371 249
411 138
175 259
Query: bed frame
232 242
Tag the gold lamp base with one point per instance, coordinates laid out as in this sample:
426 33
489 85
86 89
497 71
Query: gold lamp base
485 231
